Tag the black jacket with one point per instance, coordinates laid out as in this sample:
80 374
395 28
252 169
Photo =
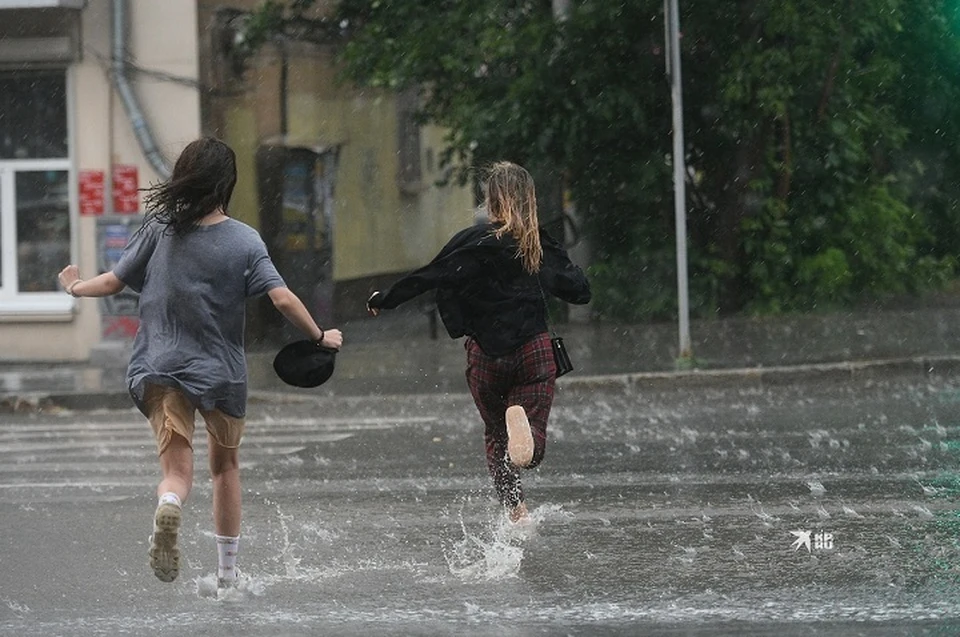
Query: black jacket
484 292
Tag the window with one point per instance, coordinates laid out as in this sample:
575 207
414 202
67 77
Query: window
43 228
33 115
35 180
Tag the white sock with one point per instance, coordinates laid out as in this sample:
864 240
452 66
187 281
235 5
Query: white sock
227 549
170 498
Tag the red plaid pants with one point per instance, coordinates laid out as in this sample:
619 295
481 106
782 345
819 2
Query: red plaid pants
523 377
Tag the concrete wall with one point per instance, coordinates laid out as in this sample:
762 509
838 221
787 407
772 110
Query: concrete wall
379 228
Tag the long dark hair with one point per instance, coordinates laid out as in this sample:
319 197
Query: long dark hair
202 181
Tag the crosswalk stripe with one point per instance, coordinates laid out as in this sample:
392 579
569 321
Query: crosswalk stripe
70 445
139 425
82 484
92 455
93 466
144 432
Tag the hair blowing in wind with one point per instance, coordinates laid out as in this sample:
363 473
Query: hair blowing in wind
511 199
202 181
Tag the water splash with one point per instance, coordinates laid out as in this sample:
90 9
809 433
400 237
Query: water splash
495 552
475 558
15 606
287 557
851 512
245 588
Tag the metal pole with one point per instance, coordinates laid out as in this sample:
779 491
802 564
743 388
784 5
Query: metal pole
580 250
672 27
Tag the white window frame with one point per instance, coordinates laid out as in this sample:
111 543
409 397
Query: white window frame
13 303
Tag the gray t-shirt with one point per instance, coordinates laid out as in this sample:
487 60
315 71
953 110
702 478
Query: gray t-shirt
193 291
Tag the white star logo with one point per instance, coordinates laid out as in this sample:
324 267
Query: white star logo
803 539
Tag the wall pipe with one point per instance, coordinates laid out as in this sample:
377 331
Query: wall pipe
129 99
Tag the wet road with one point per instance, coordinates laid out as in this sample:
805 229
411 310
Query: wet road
813 508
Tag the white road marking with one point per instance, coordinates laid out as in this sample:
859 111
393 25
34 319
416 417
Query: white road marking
121 455
141 424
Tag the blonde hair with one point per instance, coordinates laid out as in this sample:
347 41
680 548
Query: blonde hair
511 200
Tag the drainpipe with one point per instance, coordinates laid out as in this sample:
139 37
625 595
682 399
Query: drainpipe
130 103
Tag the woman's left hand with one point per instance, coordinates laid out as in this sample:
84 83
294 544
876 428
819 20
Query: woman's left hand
373 311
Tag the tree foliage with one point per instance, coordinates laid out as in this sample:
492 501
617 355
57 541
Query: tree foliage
821 137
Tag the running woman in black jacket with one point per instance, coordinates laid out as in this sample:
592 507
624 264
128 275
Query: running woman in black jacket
491 282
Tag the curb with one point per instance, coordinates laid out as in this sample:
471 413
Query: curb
925 366
771 376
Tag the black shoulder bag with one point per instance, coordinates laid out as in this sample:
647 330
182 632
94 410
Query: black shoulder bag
560 356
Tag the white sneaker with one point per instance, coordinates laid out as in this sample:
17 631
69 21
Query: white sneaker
519 437
164 552
229 582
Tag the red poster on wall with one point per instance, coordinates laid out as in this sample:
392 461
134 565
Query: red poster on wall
126 199
91 192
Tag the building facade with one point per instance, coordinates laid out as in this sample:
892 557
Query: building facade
341 181
97 98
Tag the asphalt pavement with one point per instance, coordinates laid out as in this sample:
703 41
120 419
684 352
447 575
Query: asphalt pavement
820 505
798 479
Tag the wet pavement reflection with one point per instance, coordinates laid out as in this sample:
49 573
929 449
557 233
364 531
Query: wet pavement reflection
812 508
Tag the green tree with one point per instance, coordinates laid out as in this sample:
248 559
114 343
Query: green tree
821 136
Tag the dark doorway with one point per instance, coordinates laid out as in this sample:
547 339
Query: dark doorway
296 187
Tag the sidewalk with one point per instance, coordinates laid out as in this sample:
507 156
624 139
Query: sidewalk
394 354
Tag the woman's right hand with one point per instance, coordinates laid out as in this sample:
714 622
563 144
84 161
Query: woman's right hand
332 339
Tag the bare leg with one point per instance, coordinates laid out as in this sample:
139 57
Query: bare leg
225 471
176 463
518 513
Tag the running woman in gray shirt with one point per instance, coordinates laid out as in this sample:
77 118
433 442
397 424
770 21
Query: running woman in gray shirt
194 268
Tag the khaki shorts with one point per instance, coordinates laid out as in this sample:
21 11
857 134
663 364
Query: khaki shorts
171 413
